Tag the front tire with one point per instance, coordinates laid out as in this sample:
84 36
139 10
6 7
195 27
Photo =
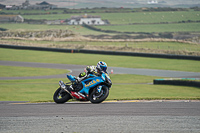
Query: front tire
60 96
96 97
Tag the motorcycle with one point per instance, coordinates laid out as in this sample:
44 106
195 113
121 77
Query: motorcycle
93 88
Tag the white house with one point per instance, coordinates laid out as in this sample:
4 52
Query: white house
153 2
86 19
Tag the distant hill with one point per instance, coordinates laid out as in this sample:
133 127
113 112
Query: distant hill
109 3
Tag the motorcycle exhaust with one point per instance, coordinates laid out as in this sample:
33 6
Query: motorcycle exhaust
62 85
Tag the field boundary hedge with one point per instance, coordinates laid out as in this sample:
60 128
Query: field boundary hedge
169 56
181 82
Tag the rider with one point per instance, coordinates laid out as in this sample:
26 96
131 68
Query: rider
101 68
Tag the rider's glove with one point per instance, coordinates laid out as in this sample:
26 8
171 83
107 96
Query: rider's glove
90 69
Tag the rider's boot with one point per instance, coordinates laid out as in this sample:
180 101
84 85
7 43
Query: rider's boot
70 88
73 86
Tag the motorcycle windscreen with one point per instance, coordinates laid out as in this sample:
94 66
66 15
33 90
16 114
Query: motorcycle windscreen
71 78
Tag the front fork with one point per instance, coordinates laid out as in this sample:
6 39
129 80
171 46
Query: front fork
99 93
99 88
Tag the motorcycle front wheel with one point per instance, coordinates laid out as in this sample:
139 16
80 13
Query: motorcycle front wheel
98 97
61 96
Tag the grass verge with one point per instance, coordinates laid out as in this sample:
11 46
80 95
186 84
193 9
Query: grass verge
15 71
152 92
128 87
92 59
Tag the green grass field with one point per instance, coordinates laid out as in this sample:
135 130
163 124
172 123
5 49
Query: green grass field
179 27
126 18
14 71
124 86
122 20
150 17
36 27
182 27
55 11
88 59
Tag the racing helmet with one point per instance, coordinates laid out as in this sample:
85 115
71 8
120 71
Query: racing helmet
101 66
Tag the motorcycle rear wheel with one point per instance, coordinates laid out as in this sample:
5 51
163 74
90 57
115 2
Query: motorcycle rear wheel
95 98
60 96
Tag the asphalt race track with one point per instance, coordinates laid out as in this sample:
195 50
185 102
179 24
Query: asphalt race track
107 117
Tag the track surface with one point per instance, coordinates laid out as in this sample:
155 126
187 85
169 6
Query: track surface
111 117
76 69
108 117
116 108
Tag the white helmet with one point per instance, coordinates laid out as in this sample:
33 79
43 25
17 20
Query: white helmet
102 66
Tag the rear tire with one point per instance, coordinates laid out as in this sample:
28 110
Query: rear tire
95 94
60 96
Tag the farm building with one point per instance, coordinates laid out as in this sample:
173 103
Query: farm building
26 5
2 6
11 18
45 5
86 19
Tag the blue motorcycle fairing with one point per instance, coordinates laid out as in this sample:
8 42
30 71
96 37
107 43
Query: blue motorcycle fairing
71 78
91 82
94 81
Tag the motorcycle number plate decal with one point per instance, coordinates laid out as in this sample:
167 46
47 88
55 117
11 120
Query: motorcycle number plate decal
92 82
